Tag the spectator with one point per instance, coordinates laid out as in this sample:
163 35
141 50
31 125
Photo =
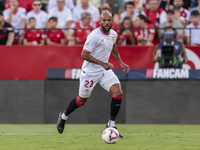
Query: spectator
81 35
164 4
145 32
16 17
155 14
95 3
194 26
40 16
6 35
180 53
55 36
68 4
33 36
181 14
139 5
129 12
186 4
27 4
197 7
86 7
126 35
117 6
174 23
63 14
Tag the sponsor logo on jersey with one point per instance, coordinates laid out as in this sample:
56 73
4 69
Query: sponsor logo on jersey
86 44
102 40
113 39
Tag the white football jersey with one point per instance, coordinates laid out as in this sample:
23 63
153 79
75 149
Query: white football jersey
100 46
16 18
41 18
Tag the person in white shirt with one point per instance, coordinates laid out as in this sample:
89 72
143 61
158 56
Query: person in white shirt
16 17
96 69
40 16
86 7
130 6
63 14
193 36
52 4
181 14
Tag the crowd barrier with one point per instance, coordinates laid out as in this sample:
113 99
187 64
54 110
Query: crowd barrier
29 62
78 29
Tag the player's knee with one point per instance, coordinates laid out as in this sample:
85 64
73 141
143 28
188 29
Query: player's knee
118 93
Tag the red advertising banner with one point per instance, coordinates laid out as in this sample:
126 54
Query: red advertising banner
29 62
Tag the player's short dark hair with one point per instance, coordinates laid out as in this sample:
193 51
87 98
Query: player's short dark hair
32 18
131 3
54 19
195 13
169 27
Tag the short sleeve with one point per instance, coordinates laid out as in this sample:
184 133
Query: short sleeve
6 14
62 35
90 43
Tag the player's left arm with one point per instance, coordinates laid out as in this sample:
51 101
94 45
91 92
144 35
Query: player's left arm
117 56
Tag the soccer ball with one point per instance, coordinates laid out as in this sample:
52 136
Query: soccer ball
110 135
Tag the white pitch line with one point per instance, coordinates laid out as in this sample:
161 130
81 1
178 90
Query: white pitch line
170 134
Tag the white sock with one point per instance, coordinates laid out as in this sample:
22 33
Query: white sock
63 116
111 123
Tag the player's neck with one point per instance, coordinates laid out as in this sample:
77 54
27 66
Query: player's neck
104 31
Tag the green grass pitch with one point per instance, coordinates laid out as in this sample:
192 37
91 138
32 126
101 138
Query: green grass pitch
88 137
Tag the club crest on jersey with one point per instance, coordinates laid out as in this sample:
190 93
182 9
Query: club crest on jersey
113 39
86 44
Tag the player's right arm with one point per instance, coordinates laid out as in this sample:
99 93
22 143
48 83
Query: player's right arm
86 56
89 46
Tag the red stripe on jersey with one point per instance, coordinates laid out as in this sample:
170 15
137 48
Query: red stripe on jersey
117 98
77 102
86 50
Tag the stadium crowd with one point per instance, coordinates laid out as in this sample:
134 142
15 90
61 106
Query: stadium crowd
68 22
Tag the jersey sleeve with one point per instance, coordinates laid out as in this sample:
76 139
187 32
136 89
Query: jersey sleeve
90 43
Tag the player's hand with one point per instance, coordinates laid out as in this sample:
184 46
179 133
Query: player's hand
107 66
125 67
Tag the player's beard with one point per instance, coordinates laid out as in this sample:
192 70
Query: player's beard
104 29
